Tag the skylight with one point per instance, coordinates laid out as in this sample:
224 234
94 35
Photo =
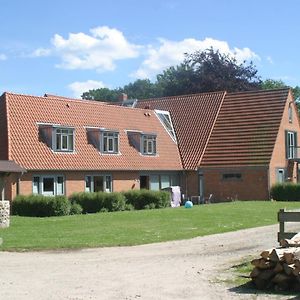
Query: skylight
165 118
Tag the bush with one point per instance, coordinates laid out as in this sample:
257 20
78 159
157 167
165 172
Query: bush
286 192
99 202
145 199
90 202
76 209
41 206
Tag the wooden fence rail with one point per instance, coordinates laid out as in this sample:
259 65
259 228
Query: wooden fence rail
283 217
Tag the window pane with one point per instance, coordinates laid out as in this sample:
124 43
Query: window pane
149 144
48 186
88 184
108 184
71 143
60 185
58 142
164 181
150 149
154 182
175 180
36 185
116 140
64 142
110 145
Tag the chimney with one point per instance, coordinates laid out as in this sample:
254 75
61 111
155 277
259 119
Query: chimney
123 97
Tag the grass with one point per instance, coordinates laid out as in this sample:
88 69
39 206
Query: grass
137 227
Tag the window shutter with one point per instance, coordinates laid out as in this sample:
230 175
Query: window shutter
296 145
286 145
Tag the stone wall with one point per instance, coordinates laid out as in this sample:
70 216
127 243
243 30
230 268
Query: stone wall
4 214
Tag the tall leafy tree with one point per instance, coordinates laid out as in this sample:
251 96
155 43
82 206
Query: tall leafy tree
207 71
140 89
103 94
269 84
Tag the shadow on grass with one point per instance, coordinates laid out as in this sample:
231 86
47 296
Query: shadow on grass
249 289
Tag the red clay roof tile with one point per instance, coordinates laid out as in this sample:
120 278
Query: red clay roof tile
193 117
25 112
246 129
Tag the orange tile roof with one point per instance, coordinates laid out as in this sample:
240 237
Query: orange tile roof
193 117
246 129
25 112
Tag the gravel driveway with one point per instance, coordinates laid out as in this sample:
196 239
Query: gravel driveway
187 269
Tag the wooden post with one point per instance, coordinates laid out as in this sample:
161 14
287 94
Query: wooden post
1 187
281 224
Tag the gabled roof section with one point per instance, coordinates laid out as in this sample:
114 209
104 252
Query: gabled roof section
246 129
28 113
9 166
193 117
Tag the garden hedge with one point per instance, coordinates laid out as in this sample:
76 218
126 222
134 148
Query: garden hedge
44 206
146 199
286 192
41 206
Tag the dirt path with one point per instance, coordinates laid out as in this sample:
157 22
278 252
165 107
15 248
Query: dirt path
174 270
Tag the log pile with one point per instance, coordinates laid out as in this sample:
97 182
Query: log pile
278 268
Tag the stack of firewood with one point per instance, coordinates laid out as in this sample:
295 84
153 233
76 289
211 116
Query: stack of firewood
278 268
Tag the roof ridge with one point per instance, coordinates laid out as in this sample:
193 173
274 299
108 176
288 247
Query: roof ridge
66 99
180 96
259 91
211 129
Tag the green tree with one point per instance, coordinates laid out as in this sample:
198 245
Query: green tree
141 89
103 94
270 84
207 71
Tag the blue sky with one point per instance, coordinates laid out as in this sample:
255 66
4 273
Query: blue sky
66 47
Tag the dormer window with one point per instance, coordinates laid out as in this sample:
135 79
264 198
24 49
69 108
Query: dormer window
110 142
148 144
64 139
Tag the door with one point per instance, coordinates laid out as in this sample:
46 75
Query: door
98 184
144 182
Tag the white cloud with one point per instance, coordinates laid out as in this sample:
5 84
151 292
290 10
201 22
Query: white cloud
41 52
3 56
78 88
270 60
98 50
171 53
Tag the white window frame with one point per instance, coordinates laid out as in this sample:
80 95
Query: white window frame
61 134
108 137
149 144
38 185
106 187
165 118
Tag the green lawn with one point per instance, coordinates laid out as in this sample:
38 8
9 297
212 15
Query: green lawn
137 227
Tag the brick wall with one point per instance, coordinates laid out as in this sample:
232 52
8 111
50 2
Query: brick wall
190 184
75 182
253 184
278 159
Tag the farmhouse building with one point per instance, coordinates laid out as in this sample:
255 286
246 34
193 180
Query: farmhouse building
69 146
235 145
231 145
